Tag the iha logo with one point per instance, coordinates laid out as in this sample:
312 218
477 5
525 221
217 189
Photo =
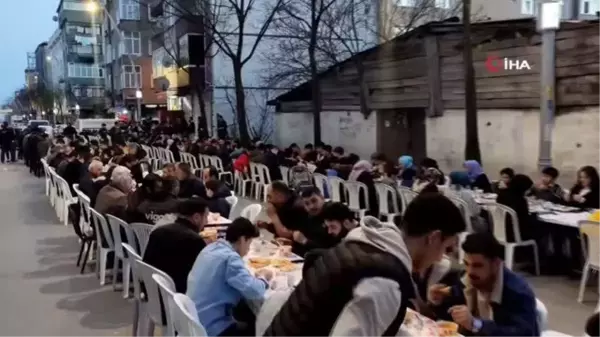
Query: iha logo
494 64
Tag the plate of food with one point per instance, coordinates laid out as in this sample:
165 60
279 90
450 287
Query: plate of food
447 329
259 262
283 265
416 324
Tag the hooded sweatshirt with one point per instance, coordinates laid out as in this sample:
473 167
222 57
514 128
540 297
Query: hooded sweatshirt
376 301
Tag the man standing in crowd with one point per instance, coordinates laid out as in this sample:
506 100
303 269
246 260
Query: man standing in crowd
368 275
173 248
490 300
7 137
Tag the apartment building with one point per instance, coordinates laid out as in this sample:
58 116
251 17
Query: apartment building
31 74
511 9
180 69
42 66
75 52
127 40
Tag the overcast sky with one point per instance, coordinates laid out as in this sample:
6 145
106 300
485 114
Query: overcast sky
23 25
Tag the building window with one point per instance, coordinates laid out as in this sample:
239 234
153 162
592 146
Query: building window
586 7
527 7
132 43
74 6
131 77
84 70
445 4
130 10
406 3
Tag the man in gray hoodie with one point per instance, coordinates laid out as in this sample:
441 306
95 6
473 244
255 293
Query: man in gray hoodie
363 286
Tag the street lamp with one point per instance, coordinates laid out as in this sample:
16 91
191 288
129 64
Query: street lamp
139 95
94 6
548 22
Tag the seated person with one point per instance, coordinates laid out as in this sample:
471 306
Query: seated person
490 300
312 234
478 178
506 175
113 198
514 197
216 204
211 173
152 203
547 189
338 220
173 248
285 211
189 184
93 181
220 280
586 192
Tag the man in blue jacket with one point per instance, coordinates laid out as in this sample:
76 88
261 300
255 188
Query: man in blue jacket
220 280
490 300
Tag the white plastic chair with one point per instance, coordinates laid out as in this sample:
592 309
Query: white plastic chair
251 212
46 176
255 178
499 214
385 194
115 225
407 195
353 189
103 246
233 201
185 317
218 163
591 231
67 200
285 174
265 181
240 181
542 315
139 304
466 213
142 234
153 305
322 183
336 184
166 286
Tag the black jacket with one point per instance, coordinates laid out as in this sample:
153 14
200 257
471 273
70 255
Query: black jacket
190 187
173 249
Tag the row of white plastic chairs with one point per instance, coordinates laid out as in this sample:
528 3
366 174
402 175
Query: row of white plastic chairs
106 237
160 156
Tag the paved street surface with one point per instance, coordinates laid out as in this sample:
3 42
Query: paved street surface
44 294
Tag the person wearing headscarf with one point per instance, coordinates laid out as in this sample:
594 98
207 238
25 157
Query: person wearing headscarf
407 171
426 164
459 180
514 197
362 172
477 177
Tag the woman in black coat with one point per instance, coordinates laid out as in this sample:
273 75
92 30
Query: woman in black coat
585 193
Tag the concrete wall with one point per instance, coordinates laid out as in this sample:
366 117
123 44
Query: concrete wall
347 129
511 138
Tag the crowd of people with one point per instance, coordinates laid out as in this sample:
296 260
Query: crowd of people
359 275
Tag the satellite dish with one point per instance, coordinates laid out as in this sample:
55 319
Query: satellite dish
163 84
55 18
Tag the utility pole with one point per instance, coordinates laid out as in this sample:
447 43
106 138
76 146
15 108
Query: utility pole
548 23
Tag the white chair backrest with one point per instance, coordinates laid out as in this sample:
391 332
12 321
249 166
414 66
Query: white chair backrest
134 256
251 212
353 189
232 200
115 227
84 205
185 317
499 214
264 175
385 194
285 174
407 196
336 183
322 183
142 234
254 172
152 292
166 286
464 210
102 229
542 315
591 231
217 162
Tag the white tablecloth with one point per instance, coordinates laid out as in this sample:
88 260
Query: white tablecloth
565 219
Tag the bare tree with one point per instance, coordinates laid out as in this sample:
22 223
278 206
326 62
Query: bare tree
231 23
260 126
302 21
472 150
